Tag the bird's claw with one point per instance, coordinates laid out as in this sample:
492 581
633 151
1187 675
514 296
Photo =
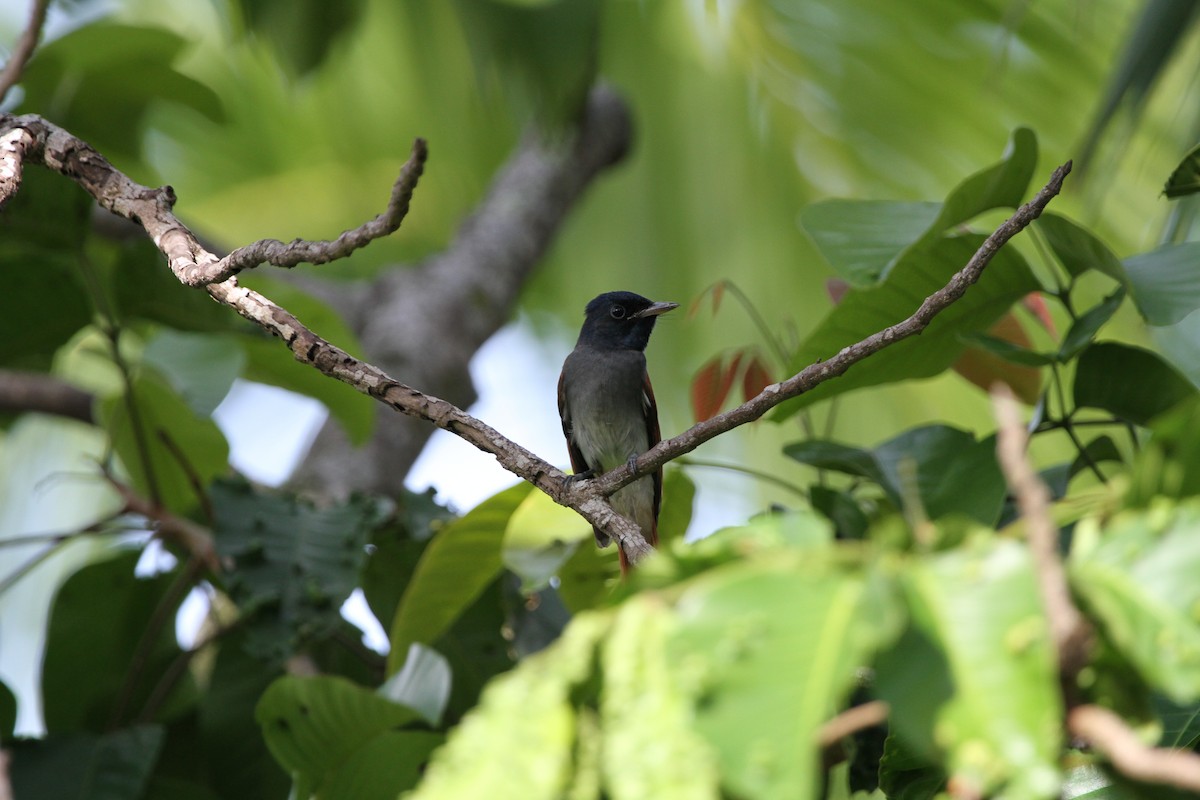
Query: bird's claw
568 480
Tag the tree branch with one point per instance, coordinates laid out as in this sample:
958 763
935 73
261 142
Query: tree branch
24 48
37 391
1109 734
1069 630
66 154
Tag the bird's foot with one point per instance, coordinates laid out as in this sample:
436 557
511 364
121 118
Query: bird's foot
631 462
578 476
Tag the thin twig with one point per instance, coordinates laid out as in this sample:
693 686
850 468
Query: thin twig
1068 628
193 538
851 721
22 391
1109 734
24 48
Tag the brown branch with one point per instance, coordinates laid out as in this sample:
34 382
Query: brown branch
37 391
24 48
852 720
195 539
1109 734
62 152
1069 630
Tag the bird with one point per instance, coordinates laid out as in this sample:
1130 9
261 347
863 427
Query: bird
607 407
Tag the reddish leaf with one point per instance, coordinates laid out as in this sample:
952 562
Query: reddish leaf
755 379
711 386
1035 303
836 288
984 369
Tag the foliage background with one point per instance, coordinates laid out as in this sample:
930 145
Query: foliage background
276 120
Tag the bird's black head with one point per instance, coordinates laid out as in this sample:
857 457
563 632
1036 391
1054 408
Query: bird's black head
621 321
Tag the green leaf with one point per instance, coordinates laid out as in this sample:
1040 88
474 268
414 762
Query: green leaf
422 685
1185 179
294 564
1138 583
100 627
1169 463
950 472
391 763
1132 383
303 31
102 78
540 536
1008 351
33 277
272 363
164 446
904 776
924 269
460 562
1077 248
517 744
861 239
848 518
315 727
1002 726
549 74
1180 723
200 367
1164 282
225 724
1083 330
678 501
1002 185
772 646
651 747
143 287
113 766
50 214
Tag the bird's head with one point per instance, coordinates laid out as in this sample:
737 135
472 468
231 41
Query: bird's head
621 321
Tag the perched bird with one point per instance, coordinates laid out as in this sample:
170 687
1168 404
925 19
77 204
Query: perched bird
607 405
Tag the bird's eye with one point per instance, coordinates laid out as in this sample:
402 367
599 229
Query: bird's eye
617 312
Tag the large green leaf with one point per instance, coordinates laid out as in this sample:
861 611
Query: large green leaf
29 331
772 646
200 367
100 79
518 742
1001 185
1169 463
1164 282
460 562
861 239
327 728
226 725
947 468
978 608
1077 248
103 660
922 270
1185 179
112 766
1130 382
293 564
143 287
1138 581
650 745
303 32
165 447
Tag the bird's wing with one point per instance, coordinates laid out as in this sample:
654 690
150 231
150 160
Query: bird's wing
578 462
653 437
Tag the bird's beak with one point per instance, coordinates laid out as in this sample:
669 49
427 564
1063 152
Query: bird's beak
656 309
